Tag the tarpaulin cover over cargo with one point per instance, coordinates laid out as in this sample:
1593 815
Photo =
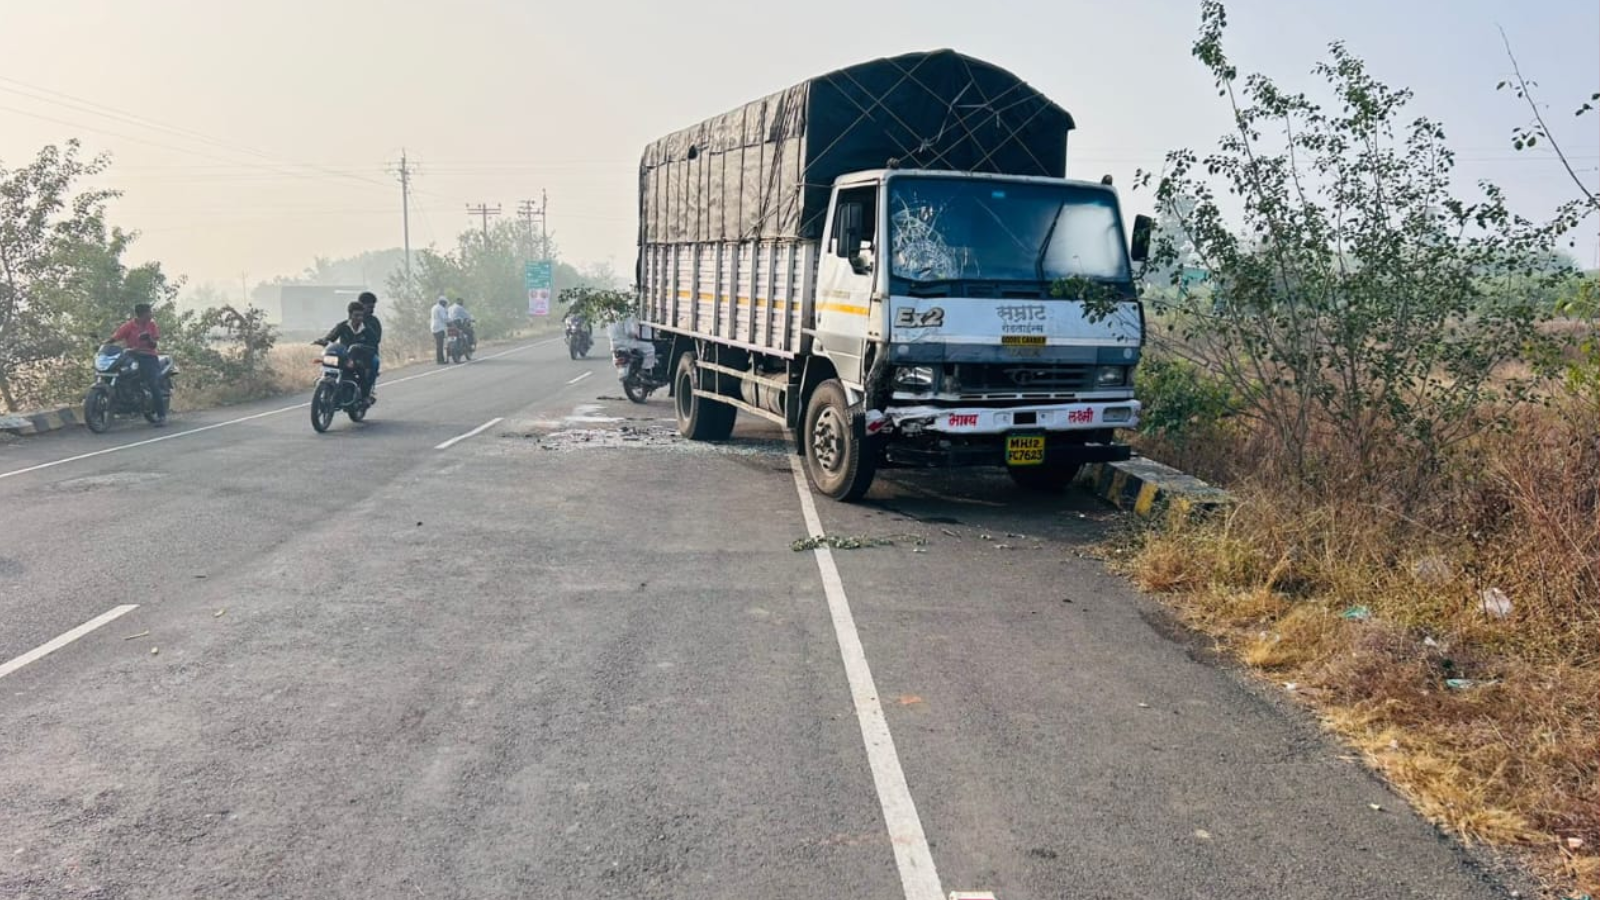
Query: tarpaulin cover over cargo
764 170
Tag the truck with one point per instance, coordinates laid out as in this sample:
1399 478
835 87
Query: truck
875 259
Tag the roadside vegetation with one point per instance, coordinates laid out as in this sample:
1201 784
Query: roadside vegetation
65 286
1400 385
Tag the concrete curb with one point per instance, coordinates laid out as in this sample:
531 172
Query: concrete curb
1147 488
40 422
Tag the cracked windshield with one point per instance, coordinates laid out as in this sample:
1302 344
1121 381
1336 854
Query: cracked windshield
635 450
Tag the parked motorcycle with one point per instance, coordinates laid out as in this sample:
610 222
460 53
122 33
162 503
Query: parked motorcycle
580 340
119 390
340 388
459 341
637 383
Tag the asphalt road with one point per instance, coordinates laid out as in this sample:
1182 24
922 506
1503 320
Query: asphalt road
571 655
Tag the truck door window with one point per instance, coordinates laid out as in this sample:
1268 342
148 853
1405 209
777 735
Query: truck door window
864 199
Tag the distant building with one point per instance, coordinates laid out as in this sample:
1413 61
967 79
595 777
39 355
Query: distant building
313 307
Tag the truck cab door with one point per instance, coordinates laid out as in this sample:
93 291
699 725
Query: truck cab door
845 278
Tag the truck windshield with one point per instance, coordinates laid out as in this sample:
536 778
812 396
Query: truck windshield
949 229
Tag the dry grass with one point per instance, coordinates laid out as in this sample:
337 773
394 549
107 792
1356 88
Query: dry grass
1513 758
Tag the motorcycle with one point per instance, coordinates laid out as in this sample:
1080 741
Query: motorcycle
340 388
637 383
579 340
459 341
119 390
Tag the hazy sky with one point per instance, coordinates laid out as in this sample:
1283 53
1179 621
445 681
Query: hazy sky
283 118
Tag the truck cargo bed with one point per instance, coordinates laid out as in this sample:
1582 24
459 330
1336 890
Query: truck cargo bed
752 294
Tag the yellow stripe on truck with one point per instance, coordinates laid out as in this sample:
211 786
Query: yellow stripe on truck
846 308
742 301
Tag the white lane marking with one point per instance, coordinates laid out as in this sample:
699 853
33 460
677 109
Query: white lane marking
918 877
46 649
261 415
580 377
479 430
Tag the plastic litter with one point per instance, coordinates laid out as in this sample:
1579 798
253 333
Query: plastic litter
139 635
1496 603
1459 684
1357 614
1574 843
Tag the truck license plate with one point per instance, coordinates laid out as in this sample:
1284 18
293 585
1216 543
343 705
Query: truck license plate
1025 450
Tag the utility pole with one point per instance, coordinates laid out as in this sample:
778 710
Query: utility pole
528 211
483 210
405 171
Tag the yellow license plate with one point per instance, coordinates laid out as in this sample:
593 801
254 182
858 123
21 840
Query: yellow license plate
1025 450
1023 340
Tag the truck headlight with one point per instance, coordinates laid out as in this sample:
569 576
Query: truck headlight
1111 376
914 377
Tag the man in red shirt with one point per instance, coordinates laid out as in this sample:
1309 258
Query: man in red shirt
140 334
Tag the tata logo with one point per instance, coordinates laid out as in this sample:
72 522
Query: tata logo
963 420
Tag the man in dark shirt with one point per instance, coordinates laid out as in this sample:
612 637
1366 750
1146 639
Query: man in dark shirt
361 340
369 302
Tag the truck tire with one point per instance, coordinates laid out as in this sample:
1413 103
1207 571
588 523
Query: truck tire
840 461
1052 479
699 419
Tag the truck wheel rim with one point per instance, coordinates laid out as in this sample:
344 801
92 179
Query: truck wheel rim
827 438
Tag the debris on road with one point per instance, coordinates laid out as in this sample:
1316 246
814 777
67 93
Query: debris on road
155 651
218 613
1496 603
1144 706
139 635
855 542
1375 807
1202 834
909 699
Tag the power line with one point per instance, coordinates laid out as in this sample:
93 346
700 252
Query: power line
485 212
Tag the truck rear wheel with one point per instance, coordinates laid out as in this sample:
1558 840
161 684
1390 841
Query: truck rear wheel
699 418
840 462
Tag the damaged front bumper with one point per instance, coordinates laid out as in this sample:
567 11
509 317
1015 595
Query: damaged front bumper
1074 433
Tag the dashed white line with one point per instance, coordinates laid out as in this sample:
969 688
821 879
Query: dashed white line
261 415
52 646
581 377
918 877
479 430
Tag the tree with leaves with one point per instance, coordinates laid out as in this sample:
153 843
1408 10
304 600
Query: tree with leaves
42 222
1348 308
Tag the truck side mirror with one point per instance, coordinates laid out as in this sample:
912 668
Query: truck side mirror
1142 226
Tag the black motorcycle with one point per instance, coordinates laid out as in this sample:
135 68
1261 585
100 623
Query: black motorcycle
637 383
580 340
120 389
342 386
459 341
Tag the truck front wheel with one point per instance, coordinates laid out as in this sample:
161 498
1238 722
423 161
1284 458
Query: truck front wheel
699 418
840 462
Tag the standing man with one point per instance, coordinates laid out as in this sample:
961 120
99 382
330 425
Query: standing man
369 302
140 334
440 323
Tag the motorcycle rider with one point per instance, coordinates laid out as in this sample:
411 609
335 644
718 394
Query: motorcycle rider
438 326
362 342
628 333
140 334
457 315
369 301
577 321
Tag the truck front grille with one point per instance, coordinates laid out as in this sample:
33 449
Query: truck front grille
1023 378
